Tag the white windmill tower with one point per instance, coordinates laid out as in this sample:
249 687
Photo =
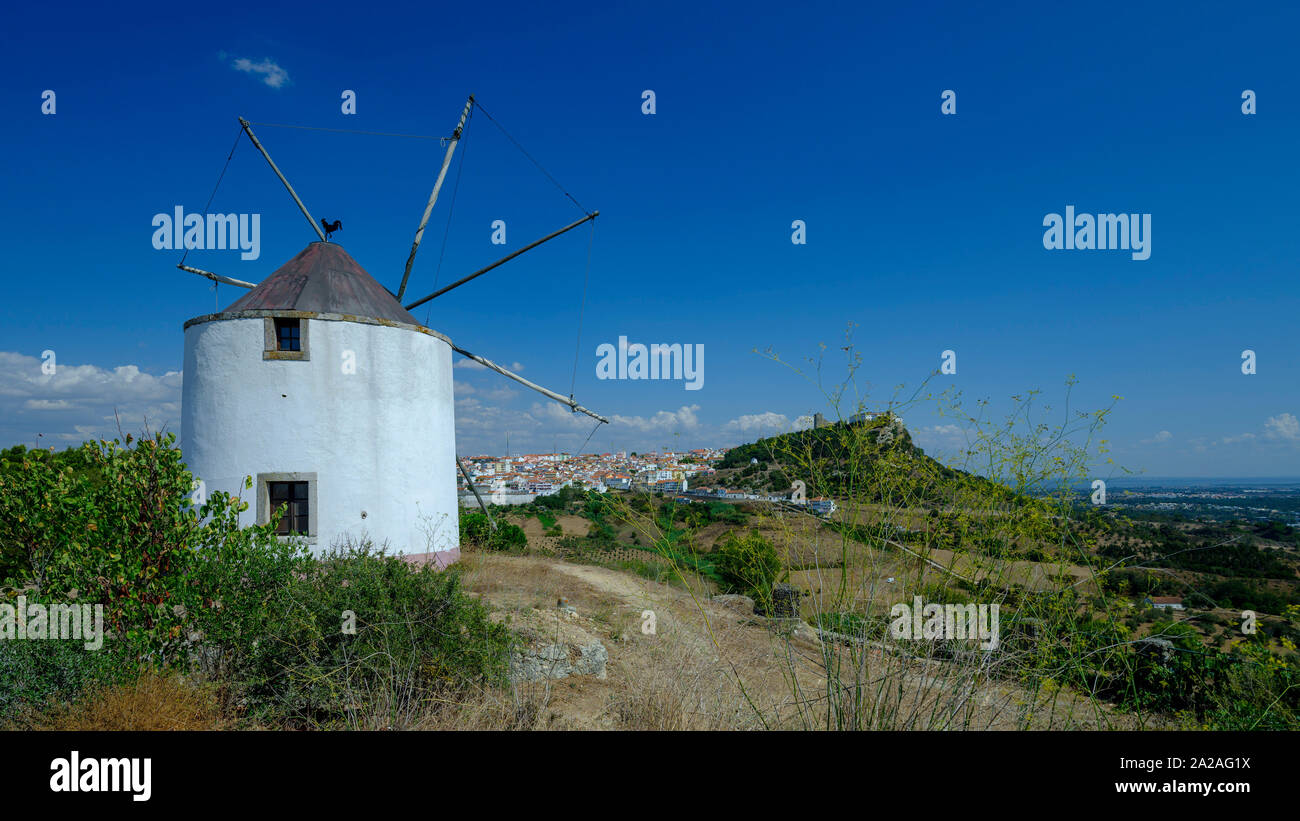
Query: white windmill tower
320 386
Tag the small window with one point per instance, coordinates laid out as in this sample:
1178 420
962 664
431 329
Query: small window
286 338
293 495
288 335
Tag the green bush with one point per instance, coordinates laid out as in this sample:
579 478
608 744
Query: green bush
749 565
184 587
36 674
417 636
140 542
476 531
238 584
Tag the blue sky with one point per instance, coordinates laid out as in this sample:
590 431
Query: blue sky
924 229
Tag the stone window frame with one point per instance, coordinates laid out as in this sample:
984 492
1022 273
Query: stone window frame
263 481
271 340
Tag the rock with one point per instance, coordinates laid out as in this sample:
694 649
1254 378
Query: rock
553 661
592 662
804 630
743 605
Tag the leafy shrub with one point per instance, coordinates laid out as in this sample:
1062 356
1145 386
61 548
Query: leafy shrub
134 542
749 565
185 588
417 636
239 581
35 674
476 531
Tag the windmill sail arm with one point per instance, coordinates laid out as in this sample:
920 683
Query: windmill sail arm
433 198
216 277
563 400
480 272
474 490
248 129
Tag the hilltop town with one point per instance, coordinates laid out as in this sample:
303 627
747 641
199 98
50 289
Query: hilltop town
521 479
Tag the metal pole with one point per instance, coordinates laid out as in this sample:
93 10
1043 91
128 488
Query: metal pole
437 186
561 399
249 131
474 490
502 261
216 277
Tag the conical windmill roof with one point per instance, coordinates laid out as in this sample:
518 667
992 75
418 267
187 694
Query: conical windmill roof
323 279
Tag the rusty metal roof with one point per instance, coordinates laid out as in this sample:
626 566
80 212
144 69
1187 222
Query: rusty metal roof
324 279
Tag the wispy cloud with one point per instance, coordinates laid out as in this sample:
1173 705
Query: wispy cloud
1284 426
77 402
947 439
271 73
763 423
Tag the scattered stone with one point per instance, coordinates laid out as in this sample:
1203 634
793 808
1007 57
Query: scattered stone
743 605
554 661
592 661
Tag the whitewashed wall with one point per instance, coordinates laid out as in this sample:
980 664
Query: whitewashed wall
381 440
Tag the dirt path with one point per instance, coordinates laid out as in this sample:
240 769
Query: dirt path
697 663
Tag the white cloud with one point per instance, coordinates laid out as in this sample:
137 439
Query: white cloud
1281 428
681 420
939 438
47 404
502 393
77 402
270 71
763 423
1284 426
1162 436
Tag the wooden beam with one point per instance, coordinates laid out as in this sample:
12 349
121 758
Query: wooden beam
437 186
474 490
503 260
216 277
563 400
248 129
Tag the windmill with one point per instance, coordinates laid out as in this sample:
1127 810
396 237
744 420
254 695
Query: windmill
320 386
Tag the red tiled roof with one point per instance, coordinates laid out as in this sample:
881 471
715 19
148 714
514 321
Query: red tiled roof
322 278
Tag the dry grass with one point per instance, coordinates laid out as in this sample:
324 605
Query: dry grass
708 667
153 702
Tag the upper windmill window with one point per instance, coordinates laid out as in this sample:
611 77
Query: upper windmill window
288 335
286 338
